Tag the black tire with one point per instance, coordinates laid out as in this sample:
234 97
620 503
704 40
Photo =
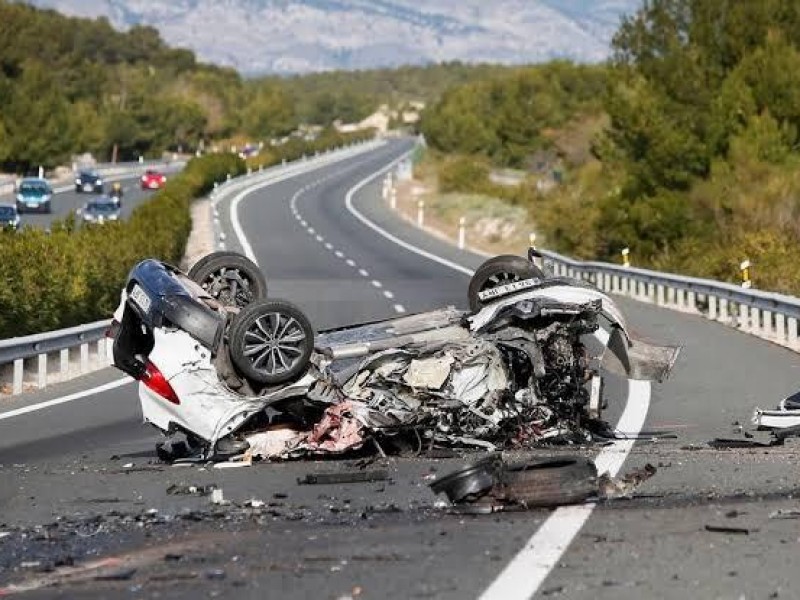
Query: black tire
270 342
231 278
497 271
47 208
553 482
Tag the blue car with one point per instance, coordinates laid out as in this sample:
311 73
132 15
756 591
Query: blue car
9 217
34 194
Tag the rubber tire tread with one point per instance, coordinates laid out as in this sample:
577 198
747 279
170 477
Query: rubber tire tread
242 323
555 482
225 258
505 263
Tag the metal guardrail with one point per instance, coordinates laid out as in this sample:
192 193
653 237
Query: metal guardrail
16 351
767 315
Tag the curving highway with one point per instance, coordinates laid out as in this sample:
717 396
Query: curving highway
327 242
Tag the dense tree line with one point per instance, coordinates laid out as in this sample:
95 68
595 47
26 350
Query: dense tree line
697 165
69 85
506 116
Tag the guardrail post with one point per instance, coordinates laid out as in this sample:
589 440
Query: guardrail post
661 299
41 379
724 313
780 328
712 307
63 366
421 213
791 324
462 233
101 350
691 301
84 358
19 370
767 330
614 283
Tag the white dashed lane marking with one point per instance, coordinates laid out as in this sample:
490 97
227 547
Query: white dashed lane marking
398 308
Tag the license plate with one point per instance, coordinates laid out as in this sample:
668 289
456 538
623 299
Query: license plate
140 298
87 187
508 288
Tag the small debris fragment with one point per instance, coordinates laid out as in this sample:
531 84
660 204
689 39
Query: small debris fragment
121 575
217 497
340 478
127 466
254 503
180 489
785 513
216 574
730 530
623 487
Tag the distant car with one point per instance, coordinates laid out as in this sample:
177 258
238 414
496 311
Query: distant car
100 210
9 217
153 180
89 181
34 194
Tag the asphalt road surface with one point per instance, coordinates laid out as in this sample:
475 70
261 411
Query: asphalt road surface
79 482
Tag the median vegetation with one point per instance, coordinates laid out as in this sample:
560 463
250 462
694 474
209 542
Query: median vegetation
74 275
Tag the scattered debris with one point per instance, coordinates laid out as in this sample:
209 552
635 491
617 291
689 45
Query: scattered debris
120 575
492 485
191 490
724 443
346 477
729 530
217 497
785 513
623 487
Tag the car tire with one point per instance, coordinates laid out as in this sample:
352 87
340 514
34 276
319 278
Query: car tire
78 189
497 271
230 278
20 209
270 342
47 208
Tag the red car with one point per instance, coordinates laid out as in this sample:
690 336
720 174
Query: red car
153 180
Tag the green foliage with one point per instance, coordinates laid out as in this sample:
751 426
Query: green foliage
506 117
71 276
74 275
463 174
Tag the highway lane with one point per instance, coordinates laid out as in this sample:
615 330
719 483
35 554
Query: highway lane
633 549
66 202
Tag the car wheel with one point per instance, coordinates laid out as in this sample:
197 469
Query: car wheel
498 271
270 341
20 209
47 208
229 277
77 189
549 482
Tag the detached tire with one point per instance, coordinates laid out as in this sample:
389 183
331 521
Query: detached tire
553 482
498 271
270 342
229 277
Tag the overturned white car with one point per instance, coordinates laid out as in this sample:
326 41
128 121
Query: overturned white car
236 372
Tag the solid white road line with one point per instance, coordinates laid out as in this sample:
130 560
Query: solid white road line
530 567
348 201
76 396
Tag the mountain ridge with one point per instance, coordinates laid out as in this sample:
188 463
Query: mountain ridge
300 36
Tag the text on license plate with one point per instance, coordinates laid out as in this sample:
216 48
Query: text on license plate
140 298
502 290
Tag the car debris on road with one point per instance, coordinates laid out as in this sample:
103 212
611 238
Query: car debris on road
238 374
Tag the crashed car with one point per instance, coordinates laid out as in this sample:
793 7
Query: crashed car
233 371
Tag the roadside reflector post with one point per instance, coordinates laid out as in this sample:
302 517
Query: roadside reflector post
41 172
393 198
249 171
744 267
228 177
626 257
42 372
421 213
462 233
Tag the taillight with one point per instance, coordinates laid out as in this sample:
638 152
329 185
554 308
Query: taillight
155 381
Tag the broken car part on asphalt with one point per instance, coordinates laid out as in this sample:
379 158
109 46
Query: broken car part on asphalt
519 371
491 482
